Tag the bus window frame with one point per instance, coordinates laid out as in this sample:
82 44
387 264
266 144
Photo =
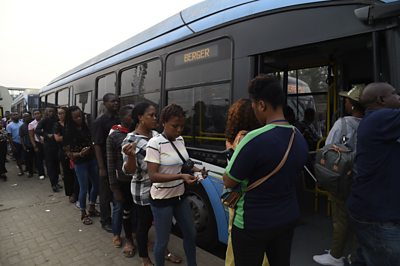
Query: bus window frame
96 90
68 95
162 69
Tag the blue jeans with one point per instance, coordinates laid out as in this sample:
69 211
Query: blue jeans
379 243
162 223
84 172
117 218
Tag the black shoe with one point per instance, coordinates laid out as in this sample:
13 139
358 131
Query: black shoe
30 175
55 189
59 186
107 227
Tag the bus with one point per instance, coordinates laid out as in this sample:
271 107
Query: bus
204 57
27 101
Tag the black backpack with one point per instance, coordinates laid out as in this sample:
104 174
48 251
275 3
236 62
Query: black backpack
334 166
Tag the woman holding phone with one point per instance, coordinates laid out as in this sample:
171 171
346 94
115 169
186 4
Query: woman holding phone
79 148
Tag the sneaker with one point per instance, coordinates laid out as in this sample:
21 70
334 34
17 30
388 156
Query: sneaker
328 259
77 205
41 177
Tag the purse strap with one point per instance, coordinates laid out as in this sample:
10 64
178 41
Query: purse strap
176 149
277 168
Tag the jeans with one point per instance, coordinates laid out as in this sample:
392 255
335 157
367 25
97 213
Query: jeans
124 213
249 245
117 218
162 223
84 172
379 242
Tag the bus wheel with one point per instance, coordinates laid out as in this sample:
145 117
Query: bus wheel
203 216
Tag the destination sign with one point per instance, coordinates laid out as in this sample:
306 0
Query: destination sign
198 55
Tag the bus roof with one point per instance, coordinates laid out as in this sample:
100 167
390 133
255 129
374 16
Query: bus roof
197 18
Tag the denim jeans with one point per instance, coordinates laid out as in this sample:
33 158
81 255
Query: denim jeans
162 223
84 172
116 218
379 242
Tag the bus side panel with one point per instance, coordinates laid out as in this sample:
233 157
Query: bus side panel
213 186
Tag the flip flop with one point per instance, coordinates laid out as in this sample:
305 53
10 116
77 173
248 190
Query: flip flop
129 250
173 258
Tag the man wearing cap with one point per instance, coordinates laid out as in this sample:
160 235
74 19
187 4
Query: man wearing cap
374 203
341 227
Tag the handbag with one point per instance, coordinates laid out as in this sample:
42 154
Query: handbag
231 196
187 164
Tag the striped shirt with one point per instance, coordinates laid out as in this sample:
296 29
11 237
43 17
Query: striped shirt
160 151
140 183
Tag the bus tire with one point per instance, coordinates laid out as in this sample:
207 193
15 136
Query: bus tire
203 217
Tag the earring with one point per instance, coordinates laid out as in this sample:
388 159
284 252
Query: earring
352 107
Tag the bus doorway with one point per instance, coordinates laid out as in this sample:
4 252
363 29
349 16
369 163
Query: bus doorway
312 76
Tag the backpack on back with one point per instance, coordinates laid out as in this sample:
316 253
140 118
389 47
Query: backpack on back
334 166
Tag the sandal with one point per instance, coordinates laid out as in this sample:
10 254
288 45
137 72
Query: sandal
86 220
93 212
129 249
173 258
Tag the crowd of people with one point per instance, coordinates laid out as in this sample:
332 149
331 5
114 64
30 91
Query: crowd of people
140 175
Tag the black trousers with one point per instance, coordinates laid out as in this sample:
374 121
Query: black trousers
29 157
3 154
39 157
145 220
249 245
52 162
106 198
69 175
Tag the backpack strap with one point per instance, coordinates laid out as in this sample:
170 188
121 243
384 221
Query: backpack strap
344 131
278 167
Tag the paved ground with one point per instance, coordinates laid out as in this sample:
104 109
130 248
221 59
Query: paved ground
39 227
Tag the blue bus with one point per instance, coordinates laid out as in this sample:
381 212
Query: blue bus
203 58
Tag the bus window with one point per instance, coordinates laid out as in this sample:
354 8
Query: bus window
206 108
204 63
84 101
141 79
307 89
63 97
51 100
105 85
42 102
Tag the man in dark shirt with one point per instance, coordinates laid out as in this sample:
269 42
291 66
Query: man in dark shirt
26 143
45 129
101 129
374 204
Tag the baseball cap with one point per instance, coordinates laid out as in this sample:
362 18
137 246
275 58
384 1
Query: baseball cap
354 93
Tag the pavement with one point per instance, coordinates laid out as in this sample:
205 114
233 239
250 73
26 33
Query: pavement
40 227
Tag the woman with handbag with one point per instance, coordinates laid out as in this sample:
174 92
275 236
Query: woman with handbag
240 121
164 156
265 164
79 148
134 151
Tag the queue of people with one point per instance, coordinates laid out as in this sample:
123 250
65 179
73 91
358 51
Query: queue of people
140 174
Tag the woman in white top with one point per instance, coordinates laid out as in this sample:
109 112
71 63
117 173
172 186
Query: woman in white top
164 165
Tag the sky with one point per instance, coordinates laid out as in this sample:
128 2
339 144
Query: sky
42 39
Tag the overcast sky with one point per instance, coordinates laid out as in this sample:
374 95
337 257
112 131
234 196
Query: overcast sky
42 39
